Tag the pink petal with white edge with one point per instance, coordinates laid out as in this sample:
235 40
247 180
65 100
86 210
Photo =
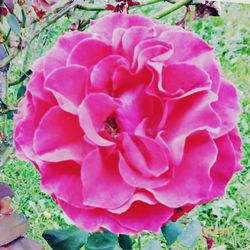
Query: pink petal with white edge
150 50
234 136
187 115
93 219
140 195
227 107
142 217
191 180
182 79
195 51
93 112
101 75
54 141
57 56
80 53
132 37
224 167
100 172
108 24
63 180
144 155
68 85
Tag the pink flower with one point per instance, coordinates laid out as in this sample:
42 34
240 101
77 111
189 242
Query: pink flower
130 124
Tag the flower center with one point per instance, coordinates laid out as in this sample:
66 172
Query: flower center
111 127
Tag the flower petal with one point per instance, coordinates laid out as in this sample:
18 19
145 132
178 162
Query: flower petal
54 142
80 56
227 107
109 191
63 180
93 112
191 180
68 84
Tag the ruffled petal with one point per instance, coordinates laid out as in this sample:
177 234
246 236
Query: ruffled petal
79 55
62 180
227 107
55 142
109 191
187 115
93 112
68 85
191 180
108 24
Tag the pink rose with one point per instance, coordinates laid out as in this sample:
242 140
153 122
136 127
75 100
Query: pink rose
130 124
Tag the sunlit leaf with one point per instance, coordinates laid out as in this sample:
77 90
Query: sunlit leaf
190 234
14 24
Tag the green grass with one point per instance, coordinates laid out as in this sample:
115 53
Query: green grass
226 220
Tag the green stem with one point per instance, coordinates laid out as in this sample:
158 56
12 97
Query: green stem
22 78
139 242
149 3
23 18
172 8
90 8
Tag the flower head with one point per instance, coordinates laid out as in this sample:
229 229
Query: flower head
130 126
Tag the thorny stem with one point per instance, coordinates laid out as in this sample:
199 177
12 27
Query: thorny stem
172 8
151 2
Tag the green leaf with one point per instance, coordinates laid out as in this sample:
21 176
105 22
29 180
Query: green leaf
102 241
14 24
153 245
21 91
71 238
125 242
190 234
171 231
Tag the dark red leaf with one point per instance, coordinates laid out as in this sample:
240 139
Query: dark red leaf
5 191
3 11
12 227
5 206
23 244
109 7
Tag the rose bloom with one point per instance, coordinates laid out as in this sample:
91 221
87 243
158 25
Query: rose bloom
130 124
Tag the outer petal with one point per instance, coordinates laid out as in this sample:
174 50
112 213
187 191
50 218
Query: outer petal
181 79
141 217
110 191
80 54
191 181
54 141
63 180
187 115
68 84
108 24
224 167
227 107
195 51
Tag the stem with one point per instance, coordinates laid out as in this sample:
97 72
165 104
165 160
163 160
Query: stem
139 242
172 8
90 8
149 3
23 18
21 78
